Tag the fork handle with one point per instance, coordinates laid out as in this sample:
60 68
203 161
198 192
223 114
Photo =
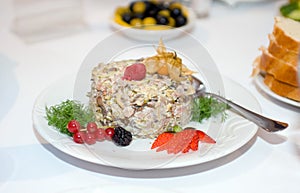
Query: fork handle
265 123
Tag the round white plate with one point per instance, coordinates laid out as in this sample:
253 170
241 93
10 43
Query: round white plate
259 81
154 35
232 134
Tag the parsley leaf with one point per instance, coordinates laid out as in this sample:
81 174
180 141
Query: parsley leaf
59 115
206 107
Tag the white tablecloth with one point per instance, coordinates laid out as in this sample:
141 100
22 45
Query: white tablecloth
232 34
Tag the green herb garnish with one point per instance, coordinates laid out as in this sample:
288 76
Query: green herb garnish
60 115
206 107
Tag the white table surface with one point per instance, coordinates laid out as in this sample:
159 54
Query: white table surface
232 34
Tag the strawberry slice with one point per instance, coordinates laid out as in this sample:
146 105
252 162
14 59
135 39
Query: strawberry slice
179 142
162 139
203 137
193 144
183 141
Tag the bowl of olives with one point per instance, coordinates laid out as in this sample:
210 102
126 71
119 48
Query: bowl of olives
151 20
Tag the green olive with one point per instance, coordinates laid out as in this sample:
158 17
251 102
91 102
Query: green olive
172 22
164 12
149 21
137 22
139 7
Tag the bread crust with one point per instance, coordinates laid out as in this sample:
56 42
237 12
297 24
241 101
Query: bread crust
282 37
282 89
280 52
282 71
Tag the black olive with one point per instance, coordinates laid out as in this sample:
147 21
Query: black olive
131 5
162 20
180 21
175 12
127 17
149 6
152 12
139 15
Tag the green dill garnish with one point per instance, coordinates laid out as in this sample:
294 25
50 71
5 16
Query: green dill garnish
60 115
206 107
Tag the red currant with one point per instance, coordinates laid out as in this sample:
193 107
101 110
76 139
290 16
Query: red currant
73 126
109 133
78 137
89 138
91 127
100 134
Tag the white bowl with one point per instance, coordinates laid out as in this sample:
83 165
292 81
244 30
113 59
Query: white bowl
154 35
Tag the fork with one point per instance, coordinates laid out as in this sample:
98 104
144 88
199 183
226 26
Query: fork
263 122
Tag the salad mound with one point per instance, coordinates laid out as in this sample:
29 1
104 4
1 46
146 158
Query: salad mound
150 97
146 96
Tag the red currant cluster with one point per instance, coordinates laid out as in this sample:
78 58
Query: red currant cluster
91 134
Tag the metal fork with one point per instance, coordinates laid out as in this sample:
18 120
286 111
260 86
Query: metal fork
263 122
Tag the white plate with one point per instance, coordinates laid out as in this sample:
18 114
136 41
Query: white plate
259 80
233 134
154 35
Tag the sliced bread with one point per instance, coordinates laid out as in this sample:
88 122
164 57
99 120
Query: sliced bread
282 89
281 52
282 71
287 33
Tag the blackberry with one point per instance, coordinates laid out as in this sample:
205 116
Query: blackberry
122 137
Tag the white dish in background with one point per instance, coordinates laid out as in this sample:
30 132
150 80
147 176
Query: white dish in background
155 35
234 134
259 80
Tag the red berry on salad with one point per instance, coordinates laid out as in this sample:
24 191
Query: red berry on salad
78 137
135 71
73 126
91 127
100 134
109 133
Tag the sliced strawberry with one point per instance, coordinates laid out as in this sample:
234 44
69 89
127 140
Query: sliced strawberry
162 139
203 137
193 144
187 149
179 142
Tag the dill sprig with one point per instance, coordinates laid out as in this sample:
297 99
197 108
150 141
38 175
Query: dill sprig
206 107
59 115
